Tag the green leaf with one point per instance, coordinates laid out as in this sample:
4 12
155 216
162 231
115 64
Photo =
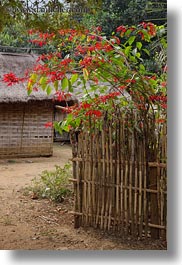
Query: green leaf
64 83
64 126
85 73
74 78
43 82
128 32
138 55
142 67
139 45
56 84
33 79
131 40
29 91
146 51
70 87
49 90
127 50
77 121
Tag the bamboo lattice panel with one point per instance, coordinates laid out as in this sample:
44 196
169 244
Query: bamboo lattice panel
120 180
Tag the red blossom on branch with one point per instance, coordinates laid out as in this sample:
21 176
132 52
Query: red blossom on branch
96 113
121 29
11 79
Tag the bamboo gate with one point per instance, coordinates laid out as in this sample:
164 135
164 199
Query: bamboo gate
120 178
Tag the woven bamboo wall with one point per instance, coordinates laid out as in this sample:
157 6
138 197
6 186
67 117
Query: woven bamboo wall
120 179
22 129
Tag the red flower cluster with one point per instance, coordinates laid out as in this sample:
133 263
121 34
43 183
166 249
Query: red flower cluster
41 69
158 98
96 113
85 105
112 95
150 27
11 79
87 61
46 36
121 29
38 42
48 125
162 99
49 56
65 62
55 76
62 96
132 81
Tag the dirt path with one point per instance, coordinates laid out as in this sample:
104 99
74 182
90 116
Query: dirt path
40 224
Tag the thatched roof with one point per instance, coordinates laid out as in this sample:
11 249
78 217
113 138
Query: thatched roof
18 64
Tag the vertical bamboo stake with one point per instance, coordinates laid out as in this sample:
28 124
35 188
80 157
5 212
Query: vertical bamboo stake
140 202
126 195
145 200
122 176
111 181
135 198
75 168
107 188
131 209
159 195
118 177
103 178
99 179
89 176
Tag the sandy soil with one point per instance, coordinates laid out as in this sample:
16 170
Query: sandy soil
26 223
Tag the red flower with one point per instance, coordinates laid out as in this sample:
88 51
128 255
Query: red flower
141 34
65 62
87 61
122 87
151 29
85 105
121 29
99 28
131 81
10 78
96 113
160 120
144 25
48 124
163 84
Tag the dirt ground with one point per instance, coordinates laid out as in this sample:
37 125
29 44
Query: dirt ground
26 223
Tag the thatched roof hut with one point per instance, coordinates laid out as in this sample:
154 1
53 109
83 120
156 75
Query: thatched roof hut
22 117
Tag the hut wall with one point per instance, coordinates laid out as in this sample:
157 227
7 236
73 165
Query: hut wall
22 129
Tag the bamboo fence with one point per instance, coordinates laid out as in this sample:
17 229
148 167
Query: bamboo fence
120 178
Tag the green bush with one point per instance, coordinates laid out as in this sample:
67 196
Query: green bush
54 184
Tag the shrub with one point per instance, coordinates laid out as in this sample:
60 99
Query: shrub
54 184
